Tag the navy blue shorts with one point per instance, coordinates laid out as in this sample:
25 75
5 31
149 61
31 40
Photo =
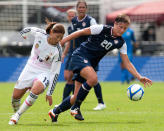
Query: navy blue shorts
68 63
77 64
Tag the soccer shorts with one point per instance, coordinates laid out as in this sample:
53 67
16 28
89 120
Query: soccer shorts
29 75
77 64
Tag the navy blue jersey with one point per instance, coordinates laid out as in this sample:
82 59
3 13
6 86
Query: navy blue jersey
87 21
99 44
71 49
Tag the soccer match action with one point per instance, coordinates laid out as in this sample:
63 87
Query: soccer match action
81 65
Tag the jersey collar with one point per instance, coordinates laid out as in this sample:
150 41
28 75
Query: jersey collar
82 19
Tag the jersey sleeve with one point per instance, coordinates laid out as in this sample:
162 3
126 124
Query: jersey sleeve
54 74
30 31
123 49
93 22
96 29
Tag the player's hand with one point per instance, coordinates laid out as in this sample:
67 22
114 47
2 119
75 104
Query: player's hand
145 81
49 99
62 58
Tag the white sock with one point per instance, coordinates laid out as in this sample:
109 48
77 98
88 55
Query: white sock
27 103
15 104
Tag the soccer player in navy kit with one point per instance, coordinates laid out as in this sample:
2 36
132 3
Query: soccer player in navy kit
85 58
81 21
68 74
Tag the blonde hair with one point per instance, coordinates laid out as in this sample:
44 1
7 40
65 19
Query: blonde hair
71 10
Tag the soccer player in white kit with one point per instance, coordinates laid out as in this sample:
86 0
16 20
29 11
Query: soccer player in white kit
42 69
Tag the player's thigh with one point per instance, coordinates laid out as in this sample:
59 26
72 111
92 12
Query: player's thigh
40 83
89 74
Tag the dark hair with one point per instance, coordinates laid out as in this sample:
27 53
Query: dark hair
55 27
81 1
123 18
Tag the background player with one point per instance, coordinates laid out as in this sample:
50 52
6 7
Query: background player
68 74
85 58
130 40
81 21
42 68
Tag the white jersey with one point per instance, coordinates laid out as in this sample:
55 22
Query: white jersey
44 57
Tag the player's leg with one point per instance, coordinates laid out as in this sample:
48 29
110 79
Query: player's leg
38 87
69 86
65 104
98 93
91 79
16 98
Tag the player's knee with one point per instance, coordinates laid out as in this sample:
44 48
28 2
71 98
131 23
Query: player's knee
16 96
92 81
37 89
67 77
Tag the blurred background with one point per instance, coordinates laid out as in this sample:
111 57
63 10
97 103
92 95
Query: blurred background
147 18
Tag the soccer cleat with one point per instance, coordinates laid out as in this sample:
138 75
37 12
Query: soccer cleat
56 106
53 116
14 119
100 106
77 114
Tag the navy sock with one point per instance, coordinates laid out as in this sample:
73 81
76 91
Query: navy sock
83 92
67 90
65 105
98 92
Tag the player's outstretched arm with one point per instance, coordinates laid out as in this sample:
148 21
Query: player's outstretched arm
75 35
130 67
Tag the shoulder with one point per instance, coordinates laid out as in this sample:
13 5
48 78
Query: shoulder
74 19
42 31
121 40
107 29
130 30
88 17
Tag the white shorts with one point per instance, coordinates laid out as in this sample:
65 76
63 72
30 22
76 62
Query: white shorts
29 75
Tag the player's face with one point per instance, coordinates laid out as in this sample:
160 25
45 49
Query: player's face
81 9
70 16
119 28
55 38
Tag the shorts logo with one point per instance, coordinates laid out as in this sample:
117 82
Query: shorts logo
85 61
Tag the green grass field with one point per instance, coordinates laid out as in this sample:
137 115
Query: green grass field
121 114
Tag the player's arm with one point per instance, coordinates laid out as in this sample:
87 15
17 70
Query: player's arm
130 67
67 46
75 35
55 70
92 30
29 31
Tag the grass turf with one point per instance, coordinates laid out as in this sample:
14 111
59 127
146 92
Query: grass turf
121 113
